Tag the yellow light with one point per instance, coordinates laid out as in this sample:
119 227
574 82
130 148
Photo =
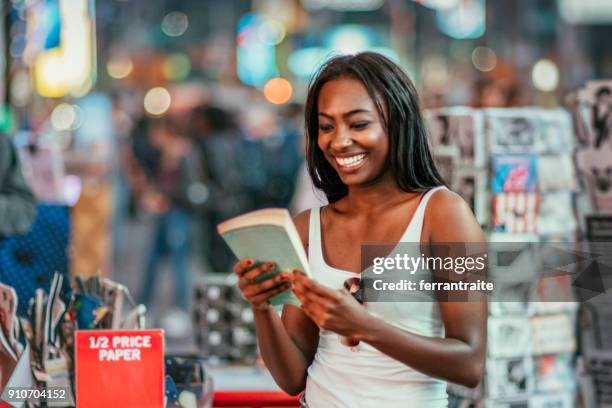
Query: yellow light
278 91
545 75
68 68
48 74
157 101
119 67
177 66
82 89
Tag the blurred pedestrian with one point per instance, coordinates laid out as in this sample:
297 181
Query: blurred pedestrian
17 202
171 170
219 142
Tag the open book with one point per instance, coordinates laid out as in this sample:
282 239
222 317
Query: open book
267 235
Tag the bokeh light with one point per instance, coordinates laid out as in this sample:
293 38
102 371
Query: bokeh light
434 72
439 4
177 67
66 117
271 32
545 75
343 5
348 39
278 91
484 59
119 67
157 101
465 19
21 90
175 24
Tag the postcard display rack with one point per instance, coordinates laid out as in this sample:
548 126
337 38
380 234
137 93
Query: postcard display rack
224 321
593 118
515 168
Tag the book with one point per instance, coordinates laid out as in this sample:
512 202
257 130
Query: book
267 235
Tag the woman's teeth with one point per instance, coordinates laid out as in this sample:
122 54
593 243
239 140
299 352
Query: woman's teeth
350 161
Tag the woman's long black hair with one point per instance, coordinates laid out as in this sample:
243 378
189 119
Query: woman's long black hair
410 158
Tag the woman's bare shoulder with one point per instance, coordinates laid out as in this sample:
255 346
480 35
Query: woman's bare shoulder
450 218
446 201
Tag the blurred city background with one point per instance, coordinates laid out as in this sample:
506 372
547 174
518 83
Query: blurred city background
152 121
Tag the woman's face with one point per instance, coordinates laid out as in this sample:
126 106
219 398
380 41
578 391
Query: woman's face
351 134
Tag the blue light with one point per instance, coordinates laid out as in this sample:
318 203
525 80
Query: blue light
256 60
464 21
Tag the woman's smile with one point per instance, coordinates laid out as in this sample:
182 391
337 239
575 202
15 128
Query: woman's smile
350 163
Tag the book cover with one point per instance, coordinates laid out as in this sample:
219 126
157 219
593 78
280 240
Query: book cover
267 235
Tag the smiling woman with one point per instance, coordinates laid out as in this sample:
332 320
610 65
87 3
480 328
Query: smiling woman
378 101
368 151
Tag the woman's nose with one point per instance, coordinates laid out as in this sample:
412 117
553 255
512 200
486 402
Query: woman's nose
341 139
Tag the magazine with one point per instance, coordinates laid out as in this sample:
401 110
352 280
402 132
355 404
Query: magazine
515 212
472 186
556 131
595 110
552 334
510 377
595 171
556 173
514 173
556 214
462 127
508 336
512 130
554 372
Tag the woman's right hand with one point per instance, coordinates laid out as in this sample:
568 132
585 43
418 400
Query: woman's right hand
258 293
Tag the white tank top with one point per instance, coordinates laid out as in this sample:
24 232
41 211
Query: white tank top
363 376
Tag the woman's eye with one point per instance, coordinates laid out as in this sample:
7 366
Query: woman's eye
325 128
360 125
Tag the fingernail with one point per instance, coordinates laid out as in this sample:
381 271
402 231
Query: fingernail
269 265
249 262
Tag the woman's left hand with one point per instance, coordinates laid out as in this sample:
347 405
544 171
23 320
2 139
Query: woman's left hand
334 310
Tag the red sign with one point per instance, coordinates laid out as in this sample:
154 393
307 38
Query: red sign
119 368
